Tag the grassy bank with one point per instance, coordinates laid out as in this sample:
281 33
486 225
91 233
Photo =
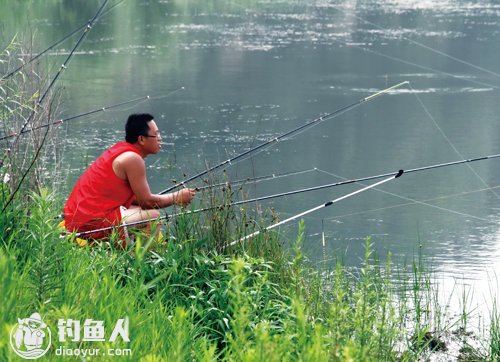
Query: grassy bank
191 299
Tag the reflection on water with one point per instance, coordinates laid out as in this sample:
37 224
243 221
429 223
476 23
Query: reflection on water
256 69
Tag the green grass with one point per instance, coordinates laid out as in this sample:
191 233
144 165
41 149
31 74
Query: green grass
193 299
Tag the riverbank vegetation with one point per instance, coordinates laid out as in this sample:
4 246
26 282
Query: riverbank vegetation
188 299
188 296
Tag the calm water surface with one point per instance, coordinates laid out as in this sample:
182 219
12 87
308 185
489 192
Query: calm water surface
253 70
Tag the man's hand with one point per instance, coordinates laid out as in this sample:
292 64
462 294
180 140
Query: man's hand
184 197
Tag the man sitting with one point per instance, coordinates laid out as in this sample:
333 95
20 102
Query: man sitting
114 189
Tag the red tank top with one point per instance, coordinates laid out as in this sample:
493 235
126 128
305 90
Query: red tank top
98 192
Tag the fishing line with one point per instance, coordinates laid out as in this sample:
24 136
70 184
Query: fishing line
422 66
257 179
444 197
39 103
29 61
329 203
259 148
359 180
102 109
448 140
252 160
89 26
451 75
426 67
438 198
412 201
432 49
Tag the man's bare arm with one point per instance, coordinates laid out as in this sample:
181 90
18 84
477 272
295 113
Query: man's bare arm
133 168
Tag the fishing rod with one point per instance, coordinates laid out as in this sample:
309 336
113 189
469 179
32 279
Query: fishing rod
240 182
228 205
329 203
347 182
102 109
374 177
29 61
89 26
294 192
256 179
286 134
39 103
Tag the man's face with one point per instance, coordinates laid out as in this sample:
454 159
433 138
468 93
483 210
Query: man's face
152 141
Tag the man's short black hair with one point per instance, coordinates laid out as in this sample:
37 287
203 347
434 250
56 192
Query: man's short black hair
137 125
